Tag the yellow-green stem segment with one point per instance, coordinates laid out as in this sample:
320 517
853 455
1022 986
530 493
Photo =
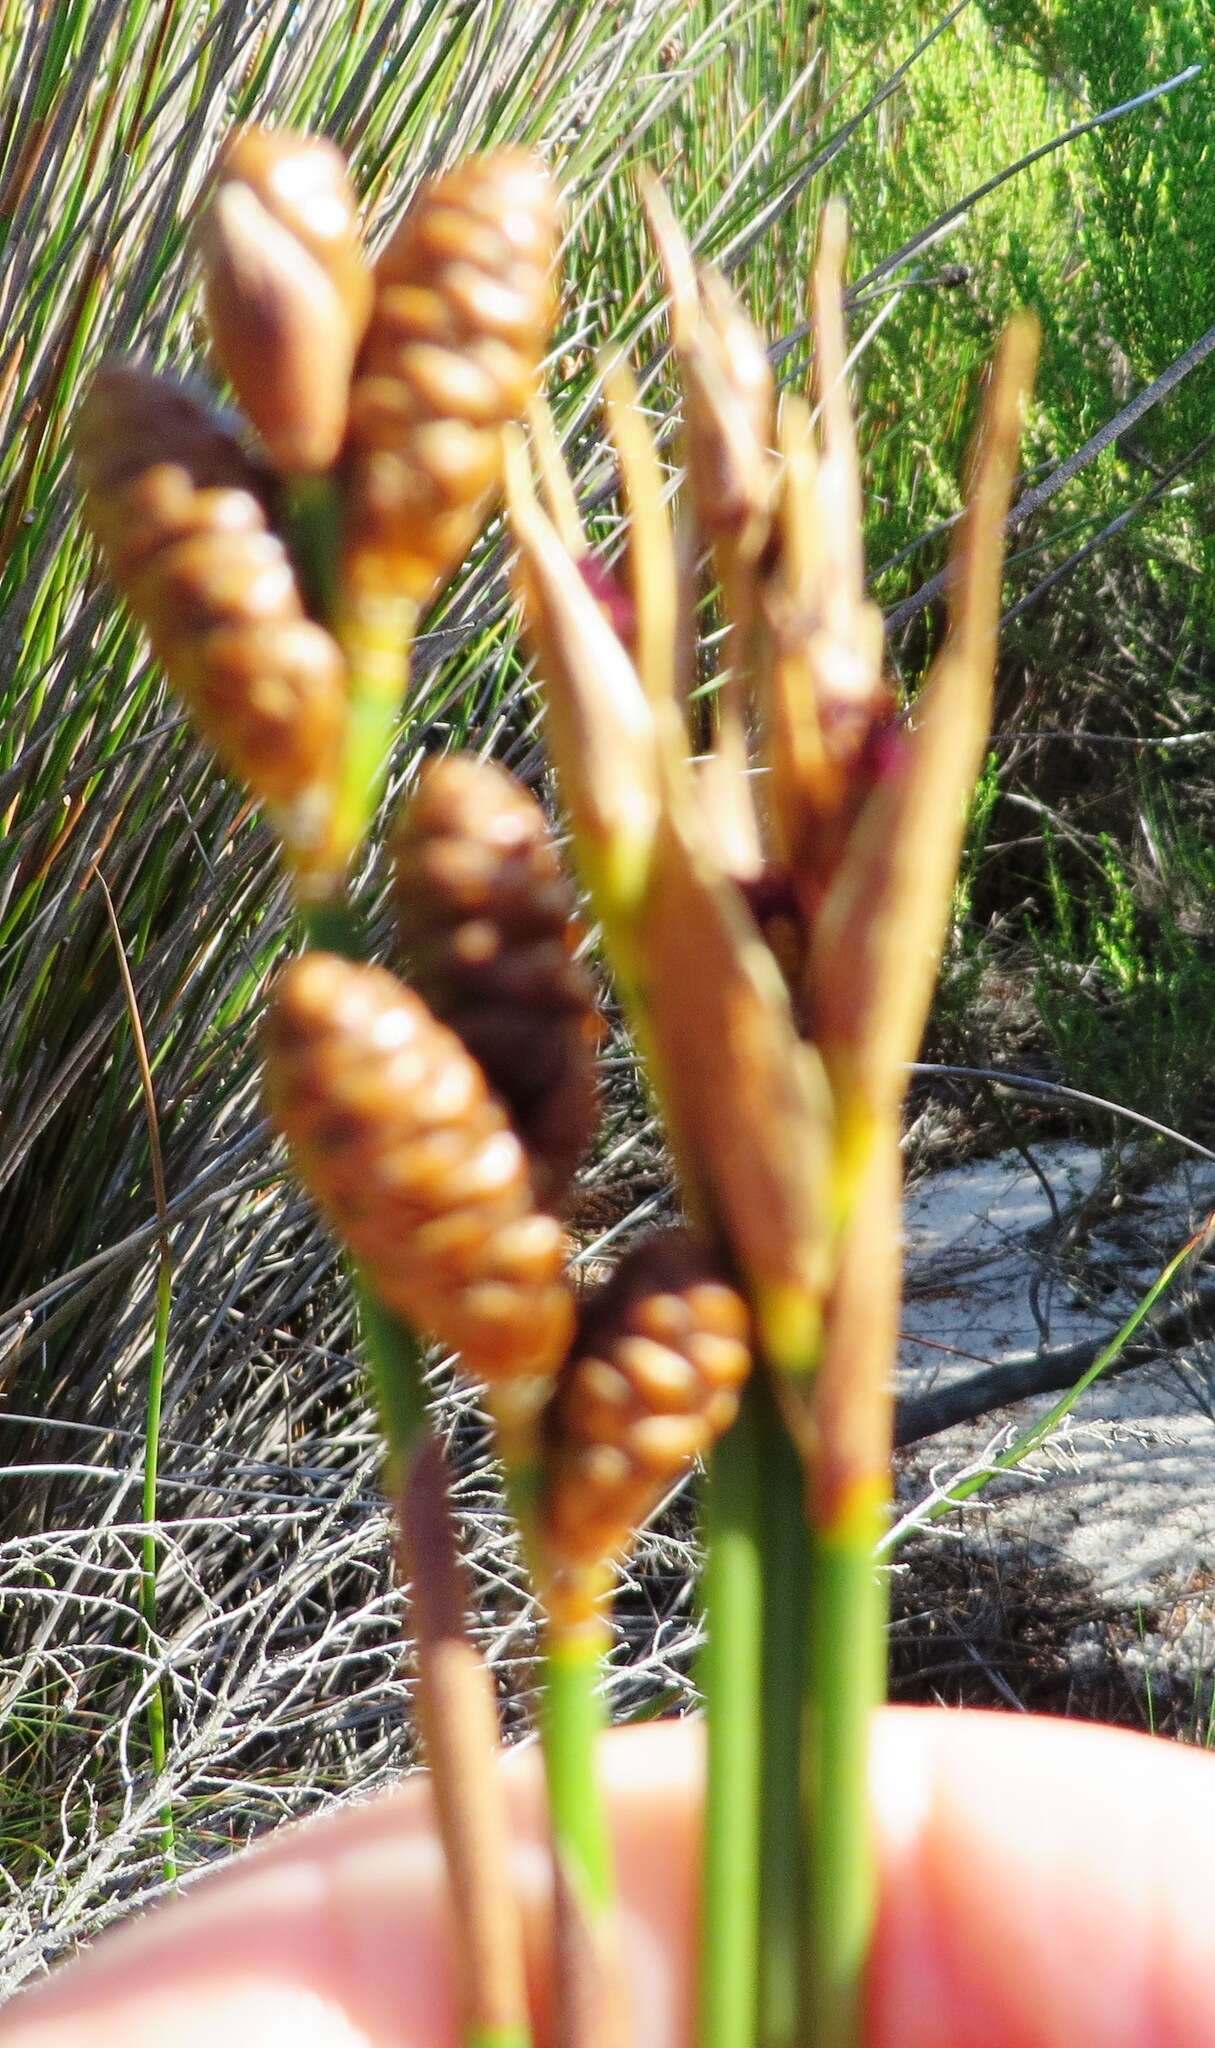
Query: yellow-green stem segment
731 1676
845 1683
573 1717
375 632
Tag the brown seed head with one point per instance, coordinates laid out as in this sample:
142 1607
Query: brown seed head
486 918
288 289
653 1379
464 301
178 510
396 1135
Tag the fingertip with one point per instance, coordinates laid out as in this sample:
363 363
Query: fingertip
1043 1882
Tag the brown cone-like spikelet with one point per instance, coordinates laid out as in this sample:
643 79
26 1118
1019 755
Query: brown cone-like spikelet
288 289
653 1379
178 510
463 305
396 1135
487 920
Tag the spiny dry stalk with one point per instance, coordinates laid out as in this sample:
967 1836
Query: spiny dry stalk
378 399
775 950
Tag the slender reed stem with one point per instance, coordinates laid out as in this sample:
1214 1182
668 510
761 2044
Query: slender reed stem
456 1708
588 1982
785 1563
314 519
848 1489
394 1367
573 1717
846 1676
157 1711
457 1711
458 1719
732 1682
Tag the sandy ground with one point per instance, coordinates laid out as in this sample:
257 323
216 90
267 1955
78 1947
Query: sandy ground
1126 1489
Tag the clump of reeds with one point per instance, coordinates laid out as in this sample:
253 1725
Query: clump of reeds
772 910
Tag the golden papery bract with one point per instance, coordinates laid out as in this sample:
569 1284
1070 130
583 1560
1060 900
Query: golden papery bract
653 1379
729 393
883 923
179 512
395 1133
288 289
486 917
463 306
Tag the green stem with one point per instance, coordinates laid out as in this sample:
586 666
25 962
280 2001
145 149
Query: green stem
393 1358
332 926
157 1709
732 1682
786 1588
314 521
573 1717
845 1682
376 636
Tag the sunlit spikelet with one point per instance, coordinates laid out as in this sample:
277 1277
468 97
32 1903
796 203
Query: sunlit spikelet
177 508
486 917
396 1135
288 289
463 304
652 1380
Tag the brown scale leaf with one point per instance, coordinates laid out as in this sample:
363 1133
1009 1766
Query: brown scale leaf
486 917
463 305
396 1135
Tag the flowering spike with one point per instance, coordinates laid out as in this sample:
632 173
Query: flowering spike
652 1380
486 918
464 301
177 508
288 289
393 1130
